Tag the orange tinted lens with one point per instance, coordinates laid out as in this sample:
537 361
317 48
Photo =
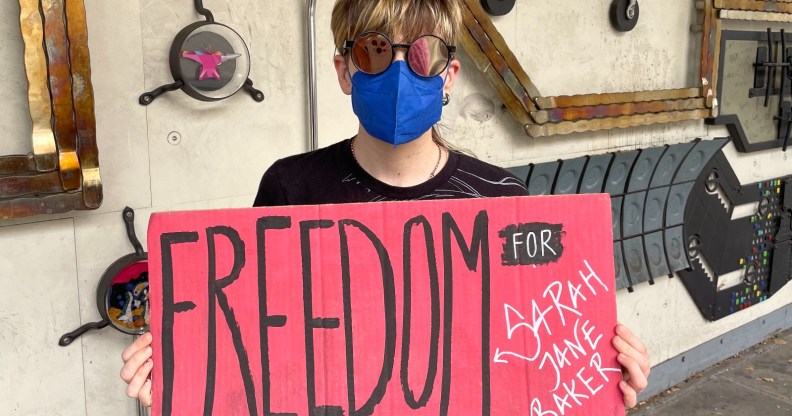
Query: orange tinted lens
428 56
372 53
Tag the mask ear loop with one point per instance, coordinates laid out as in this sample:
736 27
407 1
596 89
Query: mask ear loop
348 61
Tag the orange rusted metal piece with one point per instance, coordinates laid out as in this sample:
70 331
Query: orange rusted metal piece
62 172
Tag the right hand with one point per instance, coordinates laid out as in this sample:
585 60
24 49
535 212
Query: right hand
137 369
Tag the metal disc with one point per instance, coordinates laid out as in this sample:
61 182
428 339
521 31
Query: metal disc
619 17
498 7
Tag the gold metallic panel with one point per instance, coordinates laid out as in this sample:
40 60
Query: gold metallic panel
569 127
542 116
62 173
17 165
755 16
38 89
494 58
17 186
57 46
82 91
483 20
756 5
69 170
516 107
615 98
615 110
53 204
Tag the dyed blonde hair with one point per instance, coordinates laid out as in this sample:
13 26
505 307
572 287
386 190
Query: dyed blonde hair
407 18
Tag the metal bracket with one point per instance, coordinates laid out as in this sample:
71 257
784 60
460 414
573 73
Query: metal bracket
765 68
149 97
256 94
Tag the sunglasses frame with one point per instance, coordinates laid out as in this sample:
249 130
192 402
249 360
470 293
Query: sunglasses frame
349 44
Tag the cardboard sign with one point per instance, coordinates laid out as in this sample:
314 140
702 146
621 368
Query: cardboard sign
498 306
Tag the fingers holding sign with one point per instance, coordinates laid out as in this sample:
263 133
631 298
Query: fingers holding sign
634 358
137 368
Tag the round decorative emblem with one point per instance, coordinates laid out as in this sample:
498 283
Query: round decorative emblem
211 59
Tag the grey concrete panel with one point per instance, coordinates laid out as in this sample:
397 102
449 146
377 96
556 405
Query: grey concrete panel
40 303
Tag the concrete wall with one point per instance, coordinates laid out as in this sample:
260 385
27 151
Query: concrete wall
50 265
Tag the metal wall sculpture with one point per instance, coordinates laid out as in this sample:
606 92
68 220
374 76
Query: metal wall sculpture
209 61
756 88
672 212
737 262
542 116
62 171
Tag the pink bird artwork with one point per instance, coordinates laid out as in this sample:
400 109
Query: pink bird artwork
209 61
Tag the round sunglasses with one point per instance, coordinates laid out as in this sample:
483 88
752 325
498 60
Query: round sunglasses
373 53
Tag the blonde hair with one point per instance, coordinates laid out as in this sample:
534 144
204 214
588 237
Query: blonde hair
407 18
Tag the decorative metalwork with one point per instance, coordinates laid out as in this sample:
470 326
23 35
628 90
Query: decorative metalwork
755 103
62 172
543 116
200 73
680 209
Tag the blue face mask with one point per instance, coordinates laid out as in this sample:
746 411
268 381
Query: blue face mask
397 106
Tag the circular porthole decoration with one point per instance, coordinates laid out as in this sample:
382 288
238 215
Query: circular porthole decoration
498 7
624 14
211 59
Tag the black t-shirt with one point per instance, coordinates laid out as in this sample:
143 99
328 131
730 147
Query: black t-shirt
332 176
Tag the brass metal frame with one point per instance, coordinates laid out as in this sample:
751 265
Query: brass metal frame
62 172
544 116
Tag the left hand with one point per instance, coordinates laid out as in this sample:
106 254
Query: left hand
634 358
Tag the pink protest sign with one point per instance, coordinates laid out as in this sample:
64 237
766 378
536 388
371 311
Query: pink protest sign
498 306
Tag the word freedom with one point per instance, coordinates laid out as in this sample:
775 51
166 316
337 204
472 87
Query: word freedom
445 308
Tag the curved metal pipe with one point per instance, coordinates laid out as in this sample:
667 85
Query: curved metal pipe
204 11
313 121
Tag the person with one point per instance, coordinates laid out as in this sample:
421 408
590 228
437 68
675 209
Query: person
396 61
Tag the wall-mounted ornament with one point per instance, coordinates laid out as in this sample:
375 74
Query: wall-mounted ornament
542 116
498 7
61 173
624 14
209 61
681 209
739 258
756 88
122 292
